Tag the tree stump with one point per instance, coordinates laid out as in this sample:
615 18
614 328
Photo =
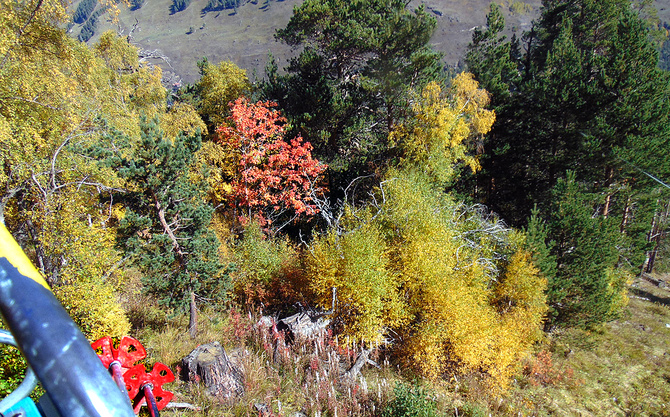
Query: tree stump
211 365
303 326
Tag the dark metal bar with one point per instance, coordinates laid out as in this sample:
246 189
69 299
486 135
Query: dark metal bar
59 354
151 401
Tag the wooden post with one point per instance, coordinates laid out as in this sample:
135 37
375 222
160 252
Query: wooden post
193 319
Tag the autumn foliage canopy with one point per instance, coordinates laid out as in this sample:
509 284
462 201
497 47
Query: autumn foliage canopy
273 176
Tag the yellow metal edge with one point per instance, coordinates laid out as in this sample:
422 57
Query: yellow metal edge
11 250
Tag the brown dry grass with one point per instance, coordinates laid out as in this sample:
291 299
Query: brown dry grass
620 369
302 377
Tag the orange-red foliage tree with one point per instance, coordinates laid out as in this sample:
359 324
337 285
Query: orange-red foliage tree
274 177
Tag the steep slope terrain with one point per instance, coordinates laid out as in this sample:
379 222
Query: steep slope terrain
246 35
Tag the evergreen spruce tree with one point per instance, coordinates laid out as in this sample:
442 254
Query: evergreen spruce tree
166 222
84 10
540 245
179 5
582 291
492 58
587 96
583 287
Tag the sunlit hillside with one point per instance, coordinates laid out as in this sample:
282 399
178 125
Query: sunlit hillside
246 35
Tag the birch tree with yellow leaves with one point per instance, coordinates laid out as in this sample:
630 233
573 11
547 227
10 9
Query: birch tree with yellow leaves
447 284
446 128
57 98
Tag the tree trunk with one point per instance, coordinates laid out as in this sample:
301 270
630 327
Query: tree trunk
606 208
656 235
609 175
211 365
358 365
193 319
624 219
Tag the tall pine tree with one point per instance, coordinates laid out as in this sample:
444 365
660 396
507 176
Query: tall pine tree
166 222
585 95
351 83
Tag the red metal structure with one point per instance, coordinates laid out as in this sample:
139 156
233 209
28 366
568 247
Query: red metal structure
142 387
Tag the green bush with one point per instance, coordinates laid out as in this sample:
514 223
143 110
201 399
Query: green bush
518 7
410 401
12 369
264 271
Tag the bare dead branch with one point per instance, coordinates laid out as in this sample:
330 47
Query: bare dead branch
32 101
144 55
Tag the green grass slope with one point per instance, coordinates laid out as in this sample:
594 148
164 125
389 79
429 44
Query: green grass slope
246 36
622 369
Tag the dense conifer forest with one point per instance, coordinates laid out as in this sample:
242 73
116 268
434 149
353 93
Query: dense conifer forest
486 236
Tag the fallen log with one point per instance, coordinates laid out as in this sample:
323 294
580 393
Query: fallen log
303 326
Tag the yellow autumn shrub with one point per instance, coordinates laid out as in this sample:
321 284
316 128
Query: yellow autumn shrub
83 284
521 303
127 88
356 266
446 291
618 282
216 165
456 268
182 118
444 128
445 283
94 307
219 85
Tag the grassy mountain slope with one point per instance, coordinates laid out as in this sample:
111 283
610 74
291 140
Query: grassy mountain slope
246 37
